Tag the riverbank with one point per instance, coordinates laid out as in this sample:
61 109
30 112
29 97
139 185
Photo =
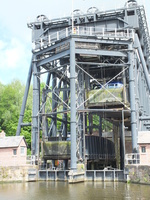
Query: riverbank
133 174
18 173
138 174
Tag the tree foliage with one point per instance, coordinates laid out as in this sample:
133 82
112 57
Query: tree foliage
11 96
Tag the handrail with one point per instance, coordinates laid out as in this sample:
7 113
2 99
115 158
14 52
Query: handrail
50 39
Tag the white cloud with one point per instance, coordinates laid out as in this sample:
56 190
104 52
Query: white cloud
11 54
15 58
2 45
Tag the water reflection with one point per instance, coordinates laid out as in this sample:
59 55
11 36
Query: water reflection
65 191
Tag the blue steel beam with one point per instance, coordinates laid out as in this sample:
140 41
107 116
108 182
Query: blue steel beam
146 73
24 99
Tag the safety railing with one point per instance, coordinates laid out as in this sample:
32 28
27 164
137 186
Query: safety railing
50 39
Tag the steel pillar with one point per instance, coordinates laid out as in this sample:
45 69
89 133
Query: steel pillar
54 105
132 98
65 99
80 115
73 105
35 113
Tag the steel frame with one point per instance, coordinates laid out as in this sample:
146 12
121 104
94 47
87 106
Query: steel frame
72 61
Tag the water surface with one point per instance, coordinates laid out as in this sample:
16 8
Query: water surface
80 191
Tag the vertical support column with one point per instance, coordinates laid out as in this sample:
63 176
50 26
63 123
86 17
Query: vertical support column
73 106
90 123
36 106
44 120
121 146
124 86
87 88
132 99
136 91
80 121
54 100
115 132
65 108
122 141
100 126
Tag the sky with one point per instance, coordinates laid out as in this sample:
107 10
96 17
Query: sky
15 36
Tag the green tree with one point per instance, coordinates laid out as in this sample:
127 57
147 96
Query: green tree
11 96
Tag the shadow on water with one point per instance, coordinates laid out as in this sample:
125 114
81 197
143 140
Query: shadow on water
65 191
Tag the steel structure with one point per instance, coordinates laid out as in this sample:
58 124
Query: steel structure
78 64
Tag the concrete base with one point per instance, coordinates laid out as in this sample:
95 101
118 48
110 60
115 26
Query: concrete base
76 177
81 175
18 173
138 174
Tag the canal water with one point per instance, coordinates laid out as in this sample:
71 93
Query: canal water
80 191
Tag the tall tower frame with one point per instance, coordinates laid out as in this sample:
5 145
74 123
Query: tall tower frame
80 64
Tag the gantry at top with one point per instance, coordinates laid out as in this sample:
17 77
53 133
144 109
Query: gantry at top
93 23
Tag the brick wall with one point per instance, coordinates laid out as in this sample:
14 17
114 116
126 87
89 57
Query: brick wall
8 159
144 157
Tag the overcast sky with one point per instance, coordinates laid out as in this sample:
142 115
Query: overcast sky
15 37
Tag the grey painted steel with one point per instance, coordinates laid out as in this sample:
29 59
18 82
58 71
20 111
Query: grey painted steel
65 99
73 106
80 91
55 57
146 73
103 64
54 105
132 98
102 110
107 58
144 118
36 106
24 100
101 52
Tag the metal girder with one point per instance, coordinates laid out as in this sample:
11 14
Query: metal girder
24 99
52 58
144 118
100 52
147 77
49 48
95 39
103 64
102 110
